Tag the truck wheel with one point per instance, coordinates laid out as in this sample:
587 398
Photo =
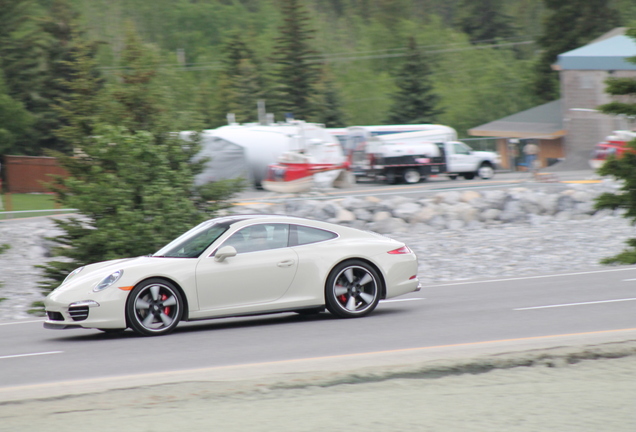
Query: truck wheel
485 171
390 178
452 176
412 176
469 176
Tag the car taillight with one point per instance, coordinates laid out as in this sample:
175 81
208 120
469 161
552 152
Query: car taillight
400 251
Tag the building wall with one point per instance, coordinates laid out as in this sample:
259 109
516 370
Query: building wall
585 90
512 154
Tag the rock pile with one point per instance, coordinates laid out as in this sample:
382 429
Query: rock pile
454 210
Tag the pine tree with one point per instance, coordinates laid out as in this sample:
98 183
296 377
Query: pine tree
241 83
62 35
569 25
15 121
21 42
484 21
415 101
328 104
296 71
623 168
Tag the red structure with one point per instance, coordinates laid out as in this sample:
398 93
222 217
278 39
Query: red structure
28 174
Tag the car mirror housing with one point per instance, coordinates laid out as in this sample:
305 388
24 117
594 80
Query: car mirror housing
224 252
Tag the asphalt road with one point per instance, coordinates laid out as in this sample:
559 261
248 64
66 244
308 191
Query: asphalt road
444 315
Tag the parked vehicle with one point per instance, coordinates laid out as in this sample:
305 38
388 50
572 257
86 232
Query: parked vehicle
414 156
614 145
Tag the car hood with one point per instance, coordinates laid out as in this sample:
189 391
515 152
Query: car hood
92 274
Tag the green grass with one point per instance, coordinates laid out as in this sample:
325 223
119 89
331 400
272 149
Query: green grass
21 202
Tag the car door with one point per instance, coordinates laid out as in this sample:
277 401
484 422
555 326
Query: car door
460 158
261 272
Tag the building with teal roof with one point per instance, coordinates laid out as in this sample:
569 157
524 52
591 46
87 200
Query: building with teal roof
569 128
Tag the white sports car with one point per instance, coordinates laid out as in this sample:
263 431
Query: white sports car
237 266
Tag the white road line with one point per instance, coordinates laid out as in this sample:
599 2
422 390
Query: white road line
629 280
576 304
21 322
30 354
528 277
401 300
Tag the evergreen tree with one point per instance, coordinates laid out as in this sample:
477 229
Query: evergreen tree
15 121
485 20
569 25
241 83
61 38
625 167
21 43
79 101
414 102
296 71
329 105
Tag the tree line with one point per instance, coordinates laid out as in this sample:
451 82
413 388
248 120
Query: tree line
336 62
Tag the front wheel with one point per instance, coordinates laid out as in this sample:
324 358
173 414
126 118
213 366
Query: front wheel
352 290
486 171
154 308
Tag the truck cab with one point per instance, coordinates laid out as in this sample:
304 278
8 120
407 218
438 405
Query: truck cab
463 160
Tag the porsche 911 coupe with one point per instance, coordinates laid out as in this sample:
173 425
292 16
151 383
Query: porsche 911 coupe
237 266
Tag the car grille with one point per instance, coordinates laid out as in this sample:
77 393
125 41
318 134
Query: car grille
55 316
78 313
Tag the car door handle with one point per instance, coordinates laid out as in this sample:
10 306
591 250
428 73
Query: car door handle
285 263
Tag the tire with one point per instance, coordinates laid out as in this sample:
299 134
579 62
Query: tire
486 171
468 176
452 176
346 296
154 308
390 178
412 176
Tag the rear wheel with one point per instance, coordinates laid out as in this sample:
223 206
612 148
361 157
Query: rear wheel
154 308
412 176
352 290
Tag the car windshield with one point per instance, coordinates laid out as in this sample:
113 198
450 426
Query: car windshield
192 243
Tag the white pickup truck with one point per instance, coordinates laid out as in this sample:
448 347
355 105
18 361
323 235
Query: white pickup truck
411 157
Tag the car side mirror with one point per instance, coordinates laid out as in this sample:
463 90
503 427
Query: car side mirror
224 252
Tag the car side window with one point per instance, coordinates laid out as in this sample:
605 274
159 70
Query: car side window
259 237
301 235
460 148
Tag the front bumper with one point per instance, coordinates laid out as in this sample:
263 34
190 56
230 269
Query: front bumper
66 311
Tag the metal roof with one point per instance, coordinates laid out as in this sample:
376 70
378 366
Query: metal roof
607 54
541 122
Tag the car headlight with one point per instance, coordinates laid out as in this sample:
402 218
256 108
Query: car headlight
72 274
108 280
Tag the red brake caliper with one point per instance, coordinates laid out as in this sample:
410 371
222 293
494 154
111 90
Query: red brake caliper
166 310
